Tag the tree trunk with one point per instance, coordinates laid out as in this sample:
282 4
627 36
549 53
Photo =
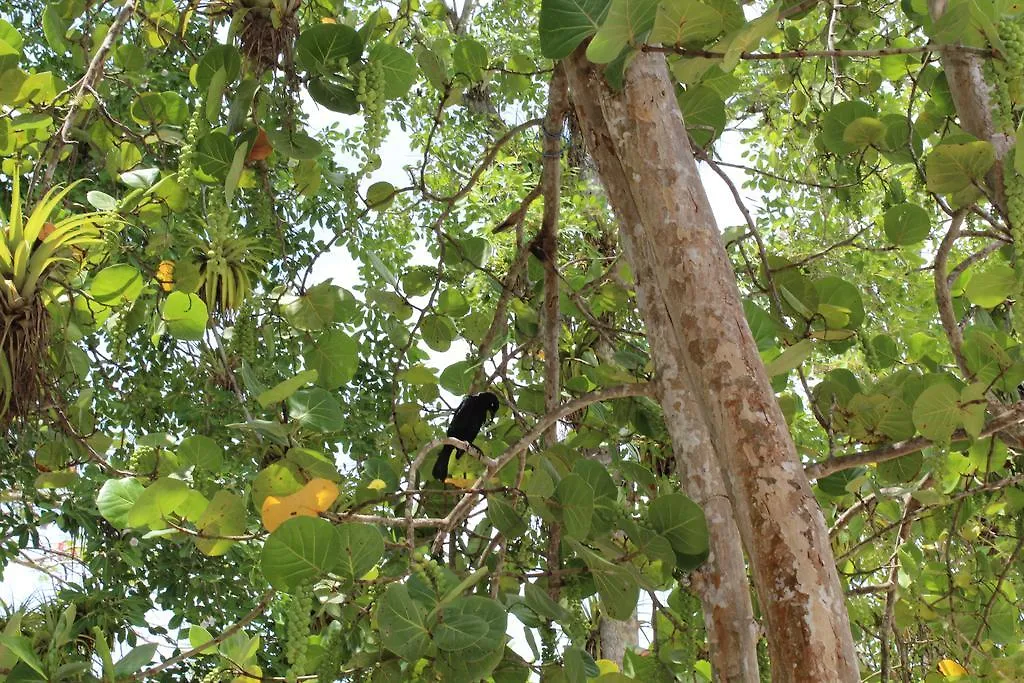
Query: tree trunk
617 636
643 155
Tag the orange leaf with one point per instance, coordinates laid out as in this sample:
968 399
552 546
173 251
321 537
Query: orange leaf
309 501
165 275
261 148
328 20
951 669
45 231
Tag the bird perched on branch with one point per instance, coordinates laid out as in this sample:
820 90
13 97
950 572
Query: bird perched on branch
469 417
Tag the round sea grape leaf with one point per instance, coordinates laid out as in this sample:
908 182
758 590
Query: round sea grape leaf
224 516
186 315
202 452
504 517
401 621
937 412
681 521
492 621
438 332
457 377
362 546
992 287
837 119
399 68
294 144
866 131
574 501
380 195
335 357
322 305
597 476
840 294
214 153
835 484
321 48
900 470
459 631
469 58
218 57
317 409
160 499
334 96
564 24
117 284
886 352
453 302
116 499
300 550
906 224
952 168
704 113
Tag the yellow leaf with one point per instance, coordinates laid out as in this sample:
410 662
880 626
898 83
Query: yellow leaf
607 666
377 485
165 275
309 501
328 20
460 482
951 669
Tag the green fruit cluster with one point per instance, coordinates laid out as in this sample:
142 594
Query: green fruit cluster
370 95
296 630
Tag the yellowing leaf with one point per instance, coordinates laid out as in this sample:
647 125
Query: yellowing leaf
165 275
377 485
951 669
309 501
607 666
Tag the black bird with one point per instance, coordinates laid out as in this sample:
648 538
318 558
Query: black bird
469 417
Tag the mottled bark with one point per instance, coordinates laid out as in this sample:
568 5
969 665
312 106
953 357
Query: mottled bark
645 161
617 637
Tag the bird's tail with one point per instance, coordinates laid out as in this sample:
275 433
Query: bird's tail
441 465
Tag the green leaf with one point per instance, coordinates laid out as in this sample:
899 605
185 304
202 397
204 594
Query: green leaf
362 546
101 201
684 21
438 332
460 631
136 658
704 114
574 501
218 57
295 144
322 305
681 521
302 549
627 23
840 294
453 302
401 621
747 38
116 498
332 95
335 357
321 48
399 69
906 224
952 168
186 315
317 409
836 120
116 285
937 412
564 24
617 588
380 195
504 517
866 131
158 501
790 359
23 650
197 635
284 389
214 153
900 470
469 59
992 286
202 452
491 622
224 516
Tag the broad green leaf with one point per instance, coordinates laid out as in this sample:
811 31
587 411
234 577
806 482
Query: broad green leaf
595 474
836 120
202 452
866 131
564 24
681 521
322 48
116 498
704 114
316 409
906 224
438 332
380 195
186 315
322 305
790 359
136 658
952 168
116 285
900 470
937 412
840 294
401 621
504 517
992 286
22 648
684 21
627 23
283 390
101 200
197 635
335 357
302 549
215 154
616 586
574 500
224 516
459 631
218 57
333 95
491 622
362 546
294 144
399 69
453 302
157 502
469 59
747 38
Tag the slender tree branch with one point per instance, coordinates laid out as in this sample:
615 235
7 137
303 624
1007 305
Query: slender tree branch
806 54
942 296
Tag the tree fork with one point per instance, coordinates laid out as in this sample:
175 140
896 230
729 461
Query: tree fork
643 155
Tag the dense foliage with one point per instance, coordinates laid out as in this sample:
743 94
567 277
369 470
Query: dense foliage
225 420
